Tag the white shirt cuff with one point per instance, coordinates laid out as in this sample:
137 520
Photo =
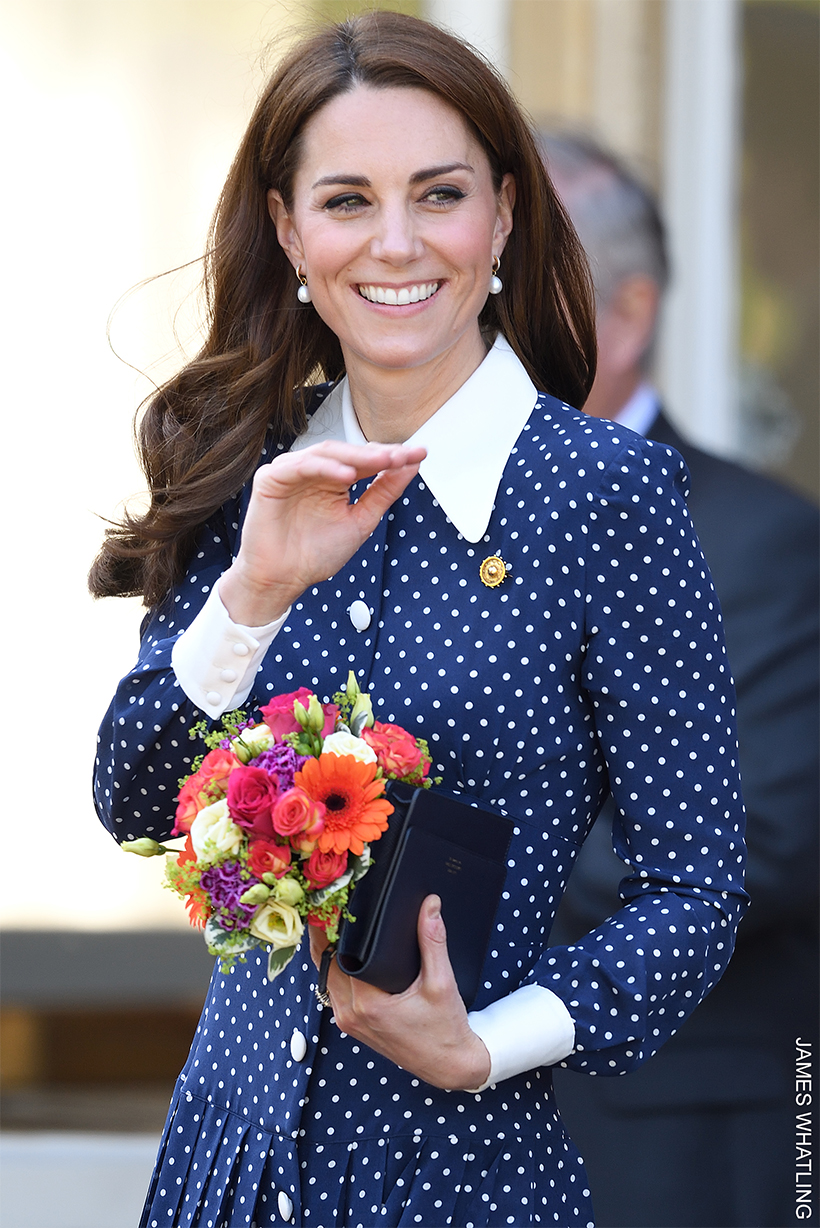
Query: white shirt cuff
215 659
530 1027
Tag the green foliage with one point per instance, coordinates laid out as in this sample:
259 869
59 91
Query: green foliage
183 879
305 743
228 727
278 959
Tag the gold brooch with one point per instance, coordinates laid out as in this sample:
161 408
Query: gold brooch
493 571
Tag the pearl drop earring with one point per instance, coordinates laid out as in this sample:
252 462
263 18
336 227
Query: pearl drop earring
303 293
496 284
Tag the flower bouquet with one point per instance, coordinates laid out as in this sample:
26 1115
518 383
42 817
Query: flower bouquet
278 817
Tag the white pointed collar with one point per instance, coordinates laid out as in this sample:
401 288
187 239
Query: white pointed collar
468 440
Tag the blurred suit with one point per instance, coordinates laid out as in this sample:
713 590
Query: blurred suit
703 1135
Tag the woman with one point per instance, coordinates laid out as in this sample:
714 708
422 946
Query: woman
519 580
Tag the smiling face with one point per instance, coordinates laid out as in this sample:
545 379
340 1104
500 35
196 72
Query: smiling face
395 222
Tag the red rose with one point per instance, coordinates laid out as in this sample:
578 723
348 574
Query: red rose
324 923
252 794
321 869
279 718
265 857
295 815
208 784
396 750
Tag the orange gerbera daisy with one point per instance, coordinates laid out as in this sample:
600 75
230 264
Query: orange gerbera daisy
199 907
196 901
355 813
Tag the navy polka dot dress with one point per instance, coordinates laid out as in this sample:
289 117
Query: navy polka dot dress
597 665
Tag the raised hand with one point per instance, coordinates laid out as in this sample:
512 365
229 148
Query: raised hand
301 528
423 1030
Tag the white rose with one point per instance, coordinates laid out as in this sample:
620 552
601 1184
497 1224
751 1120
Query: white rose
213 832
279 924
251 742
343 743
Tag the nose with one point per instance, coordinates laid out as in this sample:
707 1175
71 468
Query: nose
396 240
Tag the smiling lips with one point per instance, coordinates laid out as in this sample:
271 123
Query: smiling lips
399 298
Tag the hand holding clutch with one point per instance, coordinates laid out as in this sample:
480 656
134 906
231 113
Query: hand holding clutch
424 1030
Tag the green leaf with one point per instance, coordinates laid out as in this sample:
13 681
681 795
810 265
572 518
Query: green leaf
278 960
223 942
315 898
361 863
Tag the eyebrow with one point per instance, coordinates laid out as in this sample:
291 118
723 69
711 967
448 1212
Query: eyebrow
361 181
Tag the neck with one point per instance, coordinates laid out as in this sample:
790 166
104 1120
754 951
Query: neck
392 403
611 391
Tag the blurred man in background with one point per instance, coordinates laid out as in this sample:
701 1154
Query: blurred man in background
703 1136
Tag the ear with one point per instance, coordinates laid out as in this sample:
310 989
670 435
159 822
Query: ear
286 231
629 321
504 216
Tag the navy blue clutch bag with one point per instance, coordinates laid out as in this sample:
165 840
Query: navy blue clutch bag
433 846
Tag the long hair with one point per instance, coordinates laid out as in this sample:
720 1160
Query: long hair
202 433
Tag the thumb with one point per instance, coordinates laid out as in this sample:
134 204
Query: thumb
385 489
432 934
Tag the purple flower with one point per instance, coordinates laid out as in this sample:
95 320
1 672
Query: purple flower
227 743
282 761
225 885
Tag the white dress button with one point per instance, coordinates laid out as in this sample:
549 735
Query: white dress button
213 698
228 675
298 1045
241 650
360 615
285 1205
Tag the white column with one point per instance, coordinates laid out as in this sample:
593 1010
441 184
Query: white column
483 23
701 152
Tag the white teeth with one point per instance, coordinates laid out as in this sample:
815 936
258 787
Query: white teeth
400 298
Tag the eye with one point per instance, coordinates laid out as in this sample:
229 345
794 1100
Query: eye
444 195
347 202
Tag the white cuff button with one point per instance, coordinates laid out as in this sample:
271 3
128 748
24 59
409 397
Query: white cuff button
213 698
228 675
285 1206
241 650
298 1046
360 615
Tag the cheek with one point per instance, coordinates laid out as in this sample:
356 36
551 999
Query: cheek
328 251
470 246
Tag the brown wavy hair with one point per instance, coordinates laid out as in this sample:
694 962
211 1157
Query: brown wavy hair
201 435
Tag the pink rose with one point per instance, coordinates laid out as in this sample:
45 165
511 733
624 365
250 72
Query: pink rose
265 857
252 795
295 815
207 785
279 718
321 869
396 750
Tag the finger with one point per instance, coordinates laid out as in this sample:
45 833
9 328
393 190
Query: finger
284 475
318 942
364 461
373 456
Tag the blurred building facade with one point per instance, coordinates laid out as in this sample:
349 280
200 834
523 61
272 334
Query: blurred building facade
129 117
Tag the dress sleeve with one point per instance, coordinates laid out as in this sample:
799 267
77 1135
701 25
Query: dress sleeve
657 677
142 745
216 659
